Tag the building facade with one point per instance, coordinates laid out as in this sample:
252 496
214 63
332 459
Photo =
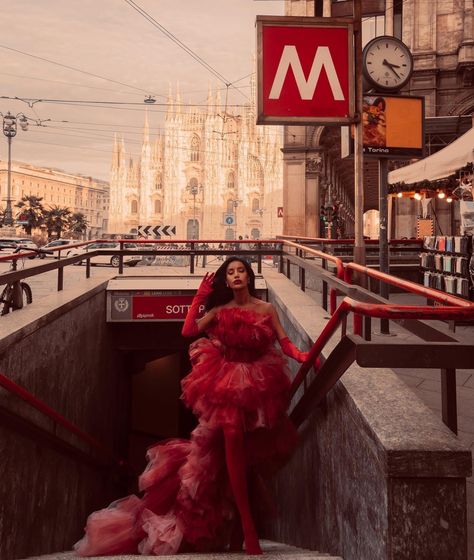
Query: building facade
210 173
440 36
76 192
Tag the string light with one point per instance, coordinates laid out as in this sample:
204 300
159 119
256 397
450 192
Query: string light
441 194
417 196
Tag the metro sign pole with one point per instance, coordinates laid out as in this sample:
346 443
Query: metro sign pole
306 69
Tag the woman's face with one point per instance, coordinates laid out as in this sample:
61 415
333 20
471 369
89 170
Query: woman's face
237 276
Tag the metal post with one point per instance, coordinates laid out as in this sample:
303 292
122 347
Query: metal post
384 256
448 399
8 217
194 214
359 246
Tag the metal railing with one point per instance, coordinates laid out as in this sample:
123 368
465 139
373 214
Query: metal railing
107 457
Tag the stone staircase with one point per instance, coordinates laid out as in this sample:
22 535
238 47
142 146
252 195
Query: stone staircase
271 551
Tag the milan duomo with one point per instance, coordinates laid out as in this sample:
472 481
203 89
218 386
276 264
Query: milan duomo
211 172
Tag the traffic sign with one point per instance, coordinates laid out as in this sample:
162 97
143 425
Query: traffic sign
157 231
280 212
305 70
229 219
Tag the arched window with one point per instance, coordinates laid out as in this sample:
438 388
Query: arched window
157 206
134 207
255 204
255 233
158 183
230 181
195 147
229 233
230 207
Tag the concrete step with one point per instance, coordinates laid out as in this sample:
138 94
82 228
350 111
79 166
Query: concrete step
271 551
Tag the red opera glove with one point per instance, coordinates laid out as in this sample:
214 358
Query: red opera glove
290 350
190 327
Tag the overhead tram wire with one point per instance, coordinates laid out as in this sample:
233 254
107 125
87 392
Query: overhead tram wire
113 103
181 45
79 70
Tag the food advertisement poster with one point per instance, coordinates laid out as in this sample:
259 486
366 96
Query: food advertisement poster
393 126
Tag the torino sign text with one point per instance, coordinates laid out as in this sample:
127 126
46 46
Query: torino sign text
305 71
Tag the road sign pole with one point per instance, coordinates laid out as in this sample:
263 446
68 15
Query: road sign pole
359 245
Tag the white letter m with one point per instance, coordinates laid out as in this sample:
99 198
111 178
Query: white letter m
322 58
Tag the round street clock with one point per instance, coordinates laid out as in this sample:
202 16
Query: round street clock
387 63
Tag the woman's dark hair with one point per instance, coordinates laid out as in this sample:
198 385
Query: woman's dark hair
222 294
379 101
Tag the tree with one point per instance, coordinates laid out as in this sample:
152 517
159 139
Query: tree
56 220
31 211
78 224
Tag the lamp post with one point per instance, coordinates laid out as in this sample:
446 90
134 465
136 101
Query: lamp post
235 202
260 212
194 190
9 130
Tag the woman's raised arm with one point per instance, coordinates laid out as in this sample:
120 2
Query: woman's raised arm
192 326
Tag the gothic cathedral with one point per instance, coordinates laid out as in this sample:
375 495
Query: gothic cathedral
212 173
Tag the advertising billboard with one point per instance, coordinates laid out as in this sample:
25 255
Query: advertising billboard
393 126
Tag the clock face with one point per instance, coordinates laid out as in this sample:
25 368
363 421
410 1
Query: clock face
387 63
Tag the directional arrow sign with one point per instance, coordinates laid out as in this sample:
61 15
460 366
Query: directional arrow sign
157 231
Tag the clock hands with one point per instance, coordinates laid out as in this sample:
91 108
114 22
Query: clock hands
392 67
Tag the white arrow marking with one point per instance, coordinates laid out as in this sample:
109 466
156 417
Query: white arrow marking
322 59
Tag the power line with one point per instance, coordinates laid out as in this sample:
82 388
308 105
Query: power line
180 44
117 103
77 70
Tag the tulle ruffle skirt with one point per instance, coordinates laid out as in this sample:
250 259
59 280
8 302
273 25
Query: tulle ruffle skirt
187 504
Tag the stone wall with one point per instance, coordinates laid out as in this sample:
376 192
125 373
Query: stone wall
377 475
60 351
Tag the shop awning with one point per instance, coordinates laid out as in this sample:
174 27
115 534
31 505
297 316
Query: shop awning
442 164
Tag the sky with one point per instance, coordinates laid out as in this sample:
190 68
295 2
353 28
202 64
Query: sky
111 39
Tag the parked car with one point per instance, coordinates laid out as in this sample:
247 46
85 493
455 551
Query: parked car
57 244
8 244
112 260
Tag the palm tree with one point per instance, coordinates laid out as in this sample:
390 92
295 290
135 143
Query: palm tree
31 211
57 219
78 224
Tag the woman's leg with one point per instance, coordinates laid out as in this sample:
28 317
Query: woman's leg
236 467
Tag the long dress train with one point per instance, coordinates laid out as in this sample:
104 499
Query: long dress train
238 379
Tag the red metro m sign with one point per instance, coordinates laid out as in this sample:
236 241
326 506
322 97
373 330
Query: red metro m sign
305 70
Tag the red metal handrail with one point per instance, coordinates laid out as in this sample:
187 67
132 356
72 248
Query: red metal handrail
52 414
381 311
412 287
324 240
332 258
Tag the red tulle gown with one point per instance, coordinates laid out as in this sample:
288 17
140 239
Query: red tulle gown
238 378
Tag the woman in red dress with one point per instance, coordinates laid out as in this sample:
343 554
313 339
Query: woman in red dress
196 494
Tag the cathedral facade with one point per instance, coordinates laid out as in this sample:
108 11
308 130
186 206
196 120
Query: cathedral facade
211 173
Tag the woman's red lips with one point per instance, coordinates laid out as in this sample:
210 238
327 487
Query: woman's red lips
237 281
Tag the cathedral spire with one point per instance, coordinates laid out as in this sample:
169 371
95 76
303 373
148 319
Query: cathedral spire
146 129
115 153
169 102
217 102
178 99
210 100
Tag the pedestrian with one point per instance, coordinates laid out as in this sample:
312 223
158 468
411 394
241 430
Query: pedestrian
196 496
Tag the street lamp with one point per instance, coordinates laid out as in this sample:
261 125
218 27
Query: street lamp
194 190
9 130
233 205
